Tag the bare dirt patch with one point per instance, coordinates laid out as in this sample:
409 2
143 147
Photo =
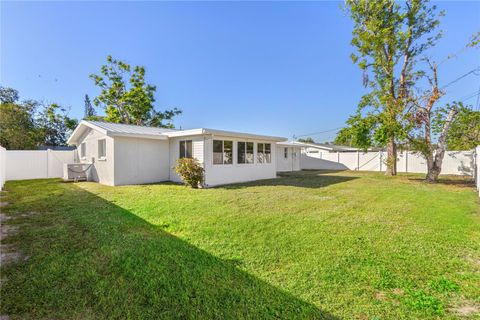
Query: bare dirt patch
29 214
3 217
7 230
466 310
381 296
398 291
8 255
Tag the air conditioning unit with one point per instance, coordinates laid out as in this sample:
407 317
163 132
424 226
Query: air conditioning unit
76 171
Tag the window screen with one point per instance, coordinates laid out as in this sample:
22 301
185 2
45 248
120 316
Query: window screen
222 152
102 148
186 150
83 150
245 152
264 153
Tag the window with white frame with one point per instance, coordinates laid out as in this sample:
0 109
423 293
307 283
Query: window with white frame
186 149
245 152
102 149
222 152
83 150
264 153
285 153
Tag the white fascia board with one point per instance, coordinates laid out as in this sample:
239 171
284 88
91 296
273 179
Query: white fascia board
182 133
223 133
79 129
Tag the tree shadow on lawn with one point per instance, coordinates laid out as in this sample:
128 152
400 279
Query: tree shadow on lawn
90 258
301 179
451 180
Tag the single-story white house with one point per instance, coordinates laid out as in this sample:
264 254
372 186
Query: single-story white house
122 154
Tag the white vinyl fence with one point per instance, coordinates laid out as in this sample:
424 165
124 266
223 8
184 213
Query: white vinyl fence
3 152
36 164
454 162
477 168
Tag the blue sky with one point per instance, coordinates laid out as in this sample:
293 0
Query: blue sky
279 68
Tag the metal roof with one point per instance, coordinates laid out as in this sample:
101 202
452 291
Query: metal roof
129 128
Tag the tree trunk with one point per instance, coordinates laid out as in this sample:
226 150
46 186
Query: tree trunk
434 167
391 158
434 160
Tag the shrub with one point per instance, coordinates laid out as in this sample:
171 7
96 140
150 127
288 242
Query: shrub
190 171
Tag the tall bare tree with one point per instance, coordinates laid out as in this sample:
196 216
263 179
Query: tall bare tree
389 37
424 121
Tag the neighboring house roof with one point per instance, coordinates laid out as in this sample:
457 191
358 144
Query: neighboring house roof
290 144
127 130
56 148
328 147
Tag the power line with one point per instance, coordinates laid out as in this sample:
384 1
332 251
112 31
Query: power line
461 77
475 94
469 96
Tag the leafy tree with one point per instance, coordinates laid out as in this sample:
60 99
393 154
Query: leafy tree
127 98
54 125
306 140
8 95
464 132
18 130
89 111
474 41
22 127
388 38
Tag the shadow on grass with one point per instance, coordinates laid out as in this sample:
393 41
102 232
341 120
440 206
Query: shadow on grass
301 179
90 258
458 181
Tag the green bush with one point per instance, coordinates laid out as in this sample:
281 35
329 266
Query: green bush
190 171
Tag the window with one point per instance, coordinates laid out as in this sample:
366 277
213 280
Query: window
222 152
186 149
102 149
285 153
83 150
245 152
264 153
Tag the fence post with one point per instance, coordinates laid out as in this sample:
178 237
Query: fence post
406 161
338 157
380 164
48 161
358 160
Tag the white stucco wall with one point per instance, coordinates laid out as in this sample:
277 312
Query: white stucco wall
139 161
292 162
197 152
219 174
101 170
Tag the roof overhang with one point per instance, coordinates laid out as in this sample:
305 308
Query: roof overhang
291 144
85 125
214 132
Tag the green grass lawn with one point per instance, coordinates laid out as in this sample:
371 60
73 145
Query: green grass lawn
307 245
